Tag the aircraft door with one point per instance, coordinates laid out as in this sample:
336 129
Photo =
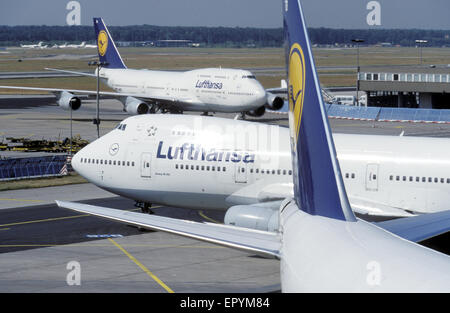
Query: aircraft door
372 177
240 173
146 161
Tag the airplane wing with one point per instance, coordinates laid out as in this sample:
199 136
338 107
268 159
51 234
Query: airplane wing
263 192
263 243
168 101
279 90
419 228
260 192
71 72
369 207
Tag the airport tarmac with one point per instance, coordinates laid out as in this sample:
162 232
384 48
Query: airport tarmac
42 247
37 117
38 240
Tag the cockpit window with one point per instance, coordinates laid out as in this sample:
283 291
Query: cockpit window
249 76
121 126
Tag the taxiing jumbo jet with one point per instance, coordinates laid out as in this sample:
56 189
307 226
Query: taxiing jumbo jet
322 246
202 90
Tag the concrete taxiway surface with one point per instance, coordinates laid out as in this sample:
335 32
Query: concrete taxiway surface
43 248
39 242
37 117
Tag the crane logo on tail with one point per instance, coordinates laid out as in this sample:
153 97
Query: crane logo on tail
296 85
102 42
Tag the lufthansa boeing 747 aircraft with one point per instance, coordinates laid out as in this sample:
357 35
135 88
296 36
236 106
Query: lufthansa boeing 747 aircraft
322 246
141 91
216 163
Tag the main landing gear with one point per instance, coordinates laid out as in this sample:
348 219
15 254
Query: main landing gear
144 206
240 116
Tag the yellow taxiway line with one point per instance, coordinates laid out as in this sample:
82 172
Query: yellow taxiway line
142 266
44 220
208 218
20 200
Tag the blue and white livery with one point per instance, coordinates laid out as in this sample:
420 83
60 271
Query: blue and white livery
321 245
143 91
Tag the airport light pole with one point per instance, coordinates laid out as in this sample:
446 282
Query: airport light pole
96 120
420 42
357 41
70 152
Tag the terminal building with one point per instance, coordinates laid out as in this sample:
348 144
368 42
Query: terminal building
406 86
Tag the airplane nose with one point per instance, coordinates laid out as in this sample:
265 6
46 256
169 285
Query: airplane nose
261 94
76 160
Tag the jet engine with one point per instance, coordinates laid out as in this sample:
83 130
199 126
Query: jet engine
253 216
67 100
274 102
257 113
135 106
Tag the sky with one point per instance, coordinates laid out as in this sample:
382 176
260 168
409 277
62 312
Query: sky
353 14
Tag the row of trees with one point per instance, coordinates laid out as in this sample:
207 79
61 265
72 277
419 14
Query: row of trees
216 36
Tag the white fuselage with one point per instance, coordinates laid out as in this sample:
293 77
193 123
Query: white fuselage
321 254
205 162
210 89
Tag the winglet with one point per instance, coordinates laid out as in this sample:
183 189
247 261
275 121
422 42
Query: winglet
318 185
107 50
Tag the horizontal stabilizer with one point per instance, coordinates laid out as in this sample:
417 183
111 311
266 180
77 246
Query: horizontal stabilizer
254 241
419 228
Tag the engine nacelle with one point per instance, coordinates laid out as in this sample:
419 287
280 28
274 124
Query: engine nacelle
135 106
257 113
274 102
67 100
253 216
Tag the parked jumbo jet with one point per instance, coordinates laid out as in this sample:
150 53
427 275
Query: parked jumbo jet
177 161
204 90
39 45
316 226
217 163
81 45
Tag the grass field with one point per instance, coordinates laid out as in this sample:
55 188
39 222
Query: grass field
190 58
72 178
336 67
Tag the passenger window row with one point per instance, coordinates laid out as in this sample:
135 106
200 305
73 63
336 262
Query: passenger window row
182 133
420 179
273 172
200 167
223 169
106 162
350 175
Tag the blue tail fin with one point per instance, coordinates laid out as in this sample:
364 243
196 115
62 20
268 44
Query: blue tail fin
107 51
318 184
